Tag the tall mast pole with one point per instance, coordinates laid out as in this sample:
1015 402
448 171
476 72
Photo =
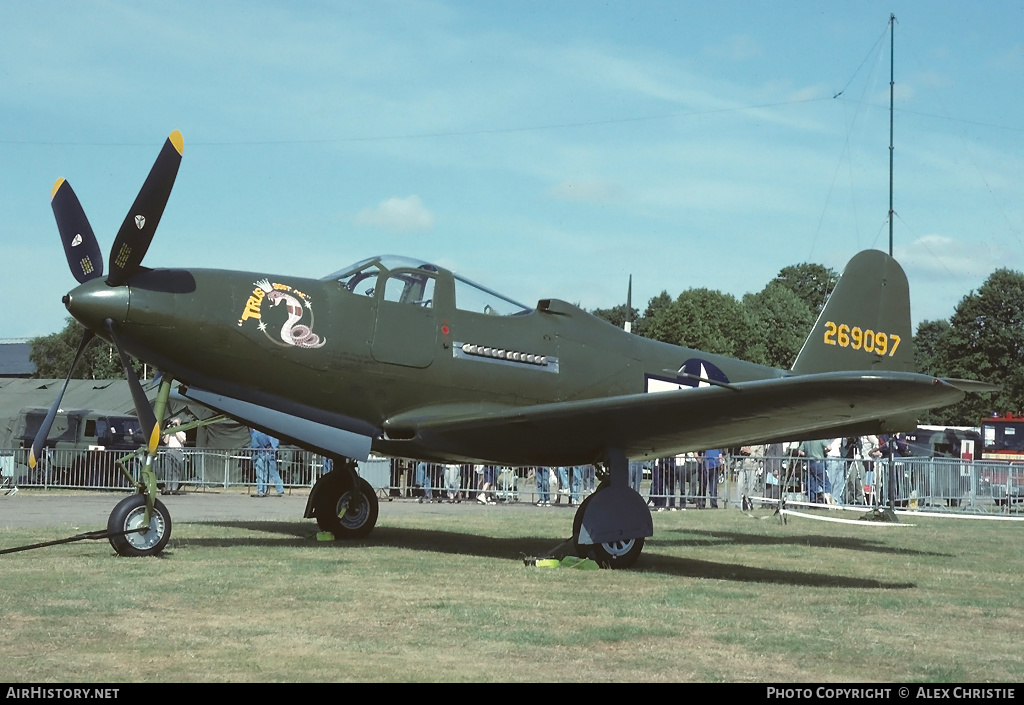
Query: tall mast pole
892 83
892 442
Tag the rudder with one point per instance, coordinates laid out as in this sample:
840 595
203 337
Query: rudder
865 324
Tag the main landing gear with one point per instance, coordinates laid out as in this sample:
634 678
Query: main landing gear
620 553
610 526
343 503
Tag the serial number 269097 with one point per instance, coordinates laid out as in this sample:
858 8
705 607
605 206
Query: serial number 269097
870 341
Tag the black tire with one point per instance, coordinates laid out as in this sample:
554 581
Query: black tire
354 523
127 515
617 555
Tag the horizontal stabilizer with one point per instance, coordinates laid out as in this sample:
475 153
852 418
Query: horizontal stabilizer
972 385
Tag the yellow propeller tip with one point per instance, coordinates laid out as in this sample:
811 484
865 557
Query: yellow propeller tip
178 141
32 459
56 186
154 438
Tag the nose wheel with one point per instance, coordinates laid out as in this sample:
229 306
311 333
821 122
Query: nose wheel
128 532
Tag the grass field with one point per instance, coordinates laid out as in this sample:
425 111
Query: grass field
716 596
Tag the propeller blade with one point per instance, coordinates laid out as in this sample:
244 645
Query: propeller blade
80 245
44 430
147 419
139 225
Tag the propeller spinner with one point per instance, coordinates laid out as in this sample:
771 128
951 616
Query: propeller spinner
86 263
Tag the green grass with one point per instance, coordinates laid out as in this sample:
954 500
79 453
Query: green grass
716 596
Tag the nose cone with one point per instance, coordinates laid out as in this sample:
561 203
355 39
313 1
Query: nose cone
94 302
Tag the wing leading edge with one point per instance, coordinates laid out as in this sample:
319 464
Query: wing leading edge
569 433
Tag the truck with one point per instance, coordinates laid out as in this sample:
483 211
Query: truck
81 451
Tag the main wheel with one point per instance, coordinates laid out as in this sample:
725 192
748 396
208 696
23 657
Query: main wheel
615 555
128 516
346 519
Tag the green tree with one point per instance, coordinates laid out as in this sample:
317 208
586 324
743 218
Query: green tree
812 283
705 320
656 304
984 341
53 355
927 342
617 315
780 321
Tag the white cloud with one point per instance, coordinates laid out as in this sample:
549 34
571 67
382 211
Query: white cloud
397 214
940 255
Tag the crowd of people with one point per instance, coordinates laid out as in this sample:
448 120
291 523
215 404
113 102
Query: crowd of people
489 484
831 471
839 470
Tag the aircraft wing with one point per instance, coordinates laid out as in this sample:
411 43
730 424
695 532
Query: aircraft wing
659 424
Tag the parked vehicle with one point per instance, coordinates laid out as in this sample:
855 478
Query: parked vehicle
73 454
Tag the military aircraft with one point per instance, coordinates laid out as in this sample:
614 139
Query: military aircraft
408 359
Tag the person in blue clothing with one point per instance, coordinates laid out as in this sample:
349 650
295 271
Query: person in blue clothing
576 484
709 478
264 460
636 474
543 478
818 484
423 481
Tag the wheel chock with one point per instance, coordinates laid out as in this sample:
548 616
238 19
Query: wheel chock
324 536
567 562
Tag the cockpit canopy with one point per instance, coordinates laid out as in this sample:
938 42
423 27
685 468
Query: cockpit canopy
411 281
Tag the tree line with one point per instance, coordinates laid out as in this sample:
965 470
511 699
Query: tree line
768 327
983 340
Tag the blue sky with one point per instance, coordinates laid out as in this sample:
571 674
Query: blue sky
545 149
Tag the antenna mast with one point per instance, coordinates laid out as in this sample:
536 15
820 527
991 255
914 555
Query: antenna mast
628 325
892 83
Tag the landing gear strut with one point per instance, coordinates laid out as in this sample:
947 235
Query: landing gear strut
610 526
140 525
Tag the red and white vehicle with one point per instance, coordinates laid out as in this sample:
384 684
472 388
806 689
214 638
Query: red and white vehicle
1002 456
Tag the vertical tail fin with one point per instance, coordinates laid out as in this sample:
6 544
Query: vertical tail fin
865 324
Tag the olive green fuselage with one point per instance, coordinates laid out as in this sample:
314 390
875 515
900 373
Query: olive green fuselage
371 359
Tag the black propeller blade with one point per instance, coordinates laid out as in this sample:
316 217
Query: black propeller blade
136 233
147 419
44 430
80 245
86 262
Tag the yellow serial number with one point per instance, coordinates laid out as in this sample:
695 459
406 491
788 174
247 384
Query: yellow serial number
871 341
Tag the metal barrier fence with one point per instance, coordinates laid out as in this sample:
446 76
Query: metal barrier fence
918 482
945 483
114 469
